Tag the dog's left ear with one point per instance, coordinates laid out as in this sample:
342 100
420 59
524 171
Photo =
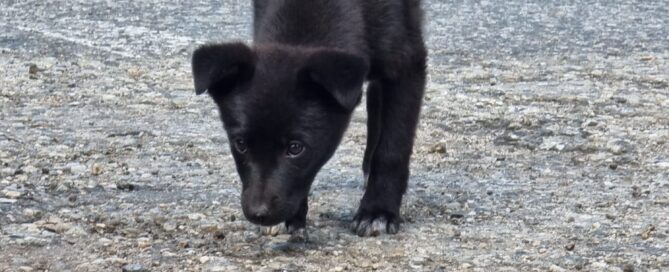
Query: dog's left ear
339 74
218 68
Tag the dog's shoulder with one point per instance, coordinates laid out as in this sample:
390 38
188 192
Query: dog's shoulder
394 35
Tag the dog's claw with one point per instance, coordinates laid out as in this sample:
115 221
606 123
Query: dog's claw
367 226
296 234
274 230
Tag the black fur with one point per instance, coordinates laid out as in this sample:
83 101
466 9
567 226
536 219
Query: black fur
295 90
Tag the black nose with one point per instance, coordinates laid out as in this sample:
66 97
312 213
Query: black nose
260 212
263 211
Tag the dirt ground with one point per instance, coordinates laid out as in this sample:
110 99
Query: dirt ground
543 146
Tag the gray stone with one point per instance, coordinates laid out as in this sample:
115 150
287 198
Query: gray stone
134 268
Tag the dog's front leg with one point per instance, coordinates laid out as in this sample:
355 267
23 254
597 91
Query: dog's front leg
387 159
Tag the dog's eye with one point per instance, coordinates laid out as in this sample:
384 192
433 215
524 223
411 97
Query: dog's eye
240 145
294 149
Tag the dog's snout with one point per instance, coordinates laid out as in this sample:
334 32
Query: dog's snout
259 211
264 210
263 214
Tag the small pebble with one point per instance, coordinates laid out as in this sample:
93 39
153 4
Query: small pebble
219 235
32 71
555 268
134 268
125 186
648 232
143 242
628 268
169 226
183 244
11 194
96 169
439 148
7 200
570 246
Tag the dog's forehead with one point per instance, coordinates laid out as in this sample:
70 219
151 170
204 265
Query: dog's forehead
272 90
278 60
267 109
272 105
273 115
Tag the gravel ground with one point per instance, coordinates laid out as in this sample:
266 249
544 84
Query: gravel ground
544 144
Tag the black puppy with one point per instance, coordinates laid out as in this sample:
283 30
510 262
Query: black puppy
286 102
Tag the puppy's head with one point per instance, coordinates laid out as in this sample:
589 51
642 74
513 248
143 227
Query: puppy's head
285 111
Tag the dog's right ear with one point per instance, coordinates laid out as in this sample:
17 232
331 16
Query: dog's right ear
218 68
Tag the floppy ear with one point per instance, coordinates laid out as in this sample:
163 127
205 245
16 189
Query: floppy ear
219 67
339 74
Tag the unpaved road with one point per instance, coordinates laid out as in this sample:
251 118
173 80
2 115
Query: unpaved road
544 144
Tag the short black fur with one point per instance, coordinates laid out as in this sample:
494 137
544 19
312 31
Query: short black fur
286 101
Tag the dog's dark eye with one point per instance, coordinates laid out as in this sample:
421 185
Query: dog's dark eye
240 145
294 149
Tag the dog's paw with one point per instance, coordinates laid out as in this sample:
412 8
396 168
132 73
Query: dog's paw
297 234
374 224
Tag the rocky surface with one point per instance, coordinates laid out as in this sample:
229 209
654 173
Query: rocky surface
544 144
